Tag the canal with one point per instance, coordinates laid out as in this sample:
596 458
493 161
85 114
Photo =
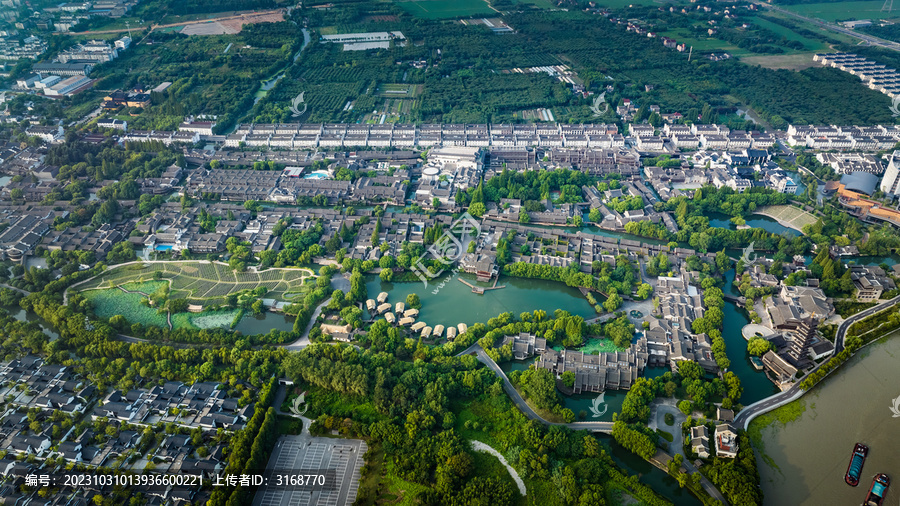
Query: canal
649 475
803 462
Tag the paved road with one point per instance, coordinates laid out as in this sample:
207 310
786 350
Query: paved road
23 292
520 402
605 427
793 393
875 41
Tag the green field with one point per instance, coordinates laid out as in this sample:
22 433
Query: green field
113 301
833 11
110 302
440 9
787 33
704 45
202 282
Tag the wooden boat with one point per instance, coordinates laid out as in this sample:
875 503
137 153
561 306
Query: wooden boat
878 490
857 460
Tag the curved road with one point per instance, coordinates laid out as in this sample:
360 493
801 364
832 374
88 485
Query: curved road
793 393
605 427
520 402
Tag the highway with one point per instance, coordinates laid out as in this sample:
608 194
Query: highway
869 39
793 393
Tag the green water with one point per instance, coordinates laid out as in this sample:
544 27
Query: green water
802 463
649 475
755 383
262 324
455 303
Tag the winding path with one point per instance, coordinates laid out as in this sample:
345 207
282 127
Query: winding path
605 427
793 393
523 406
481 447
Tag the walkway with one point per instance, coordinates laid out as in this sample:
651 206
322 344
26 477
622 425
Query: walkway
23 292
520 402
605 427
481 447
793 393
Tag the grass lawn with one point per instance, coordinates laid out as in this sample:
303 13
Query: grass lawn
792 216
833 11
439 9
600 345
289 425
399 491
621 4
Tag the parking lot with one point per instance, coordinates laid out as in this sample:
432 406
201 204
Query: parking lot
304 452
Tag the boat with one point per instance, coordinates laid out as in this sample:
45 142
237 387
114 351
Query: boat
857 459
878 490
757 363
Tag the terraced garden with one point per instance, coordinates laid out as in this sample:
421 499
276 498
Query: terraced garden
203 283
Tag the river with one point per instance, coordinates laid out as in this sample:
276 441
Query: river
268 84
809 455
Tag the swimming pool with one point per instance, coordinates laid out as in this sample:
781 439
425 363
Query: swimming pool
163 247
319 174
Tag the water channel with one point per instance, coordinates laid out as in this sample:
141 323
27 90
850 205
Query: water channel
803 462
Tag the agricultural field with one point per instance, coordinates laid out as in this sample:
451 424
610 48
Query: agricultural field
834 11
200 282
797 61
229 80
442 9
399 90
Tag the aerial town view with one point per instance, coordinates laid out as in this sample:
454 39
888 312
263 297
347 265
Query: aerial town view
449 252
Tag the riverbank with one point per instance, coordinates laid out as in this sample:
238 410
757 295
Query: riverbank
852 405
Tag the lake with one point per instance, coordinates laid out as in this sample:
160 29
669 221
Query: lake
719 220
455 303
809 455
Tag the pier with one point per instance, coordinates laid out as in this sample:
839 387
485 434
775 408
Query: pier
481 289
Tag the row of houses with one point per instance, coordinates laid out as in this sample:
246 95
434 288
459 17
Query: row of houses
284 187
843 138
202 405
689 137
877 77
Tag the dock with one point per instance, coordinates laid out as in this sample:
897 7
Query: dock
481 289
